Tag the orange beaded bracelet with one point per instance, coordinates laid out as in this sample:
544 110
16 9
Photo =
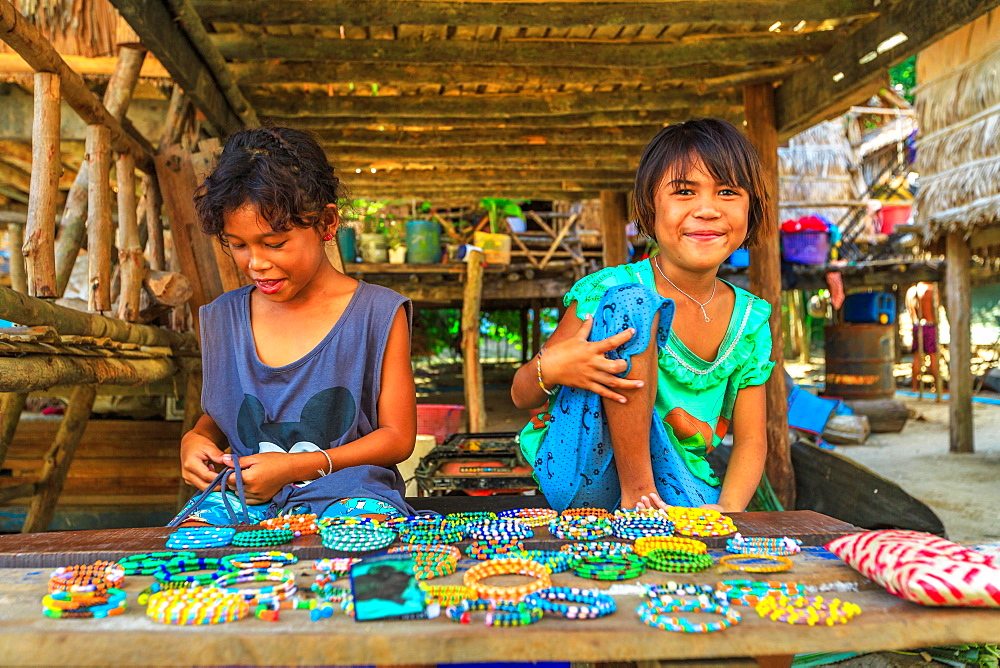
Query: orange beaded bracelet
479 572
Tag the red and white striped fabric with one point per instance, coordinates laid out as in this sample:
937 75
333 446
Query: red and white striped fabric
922 568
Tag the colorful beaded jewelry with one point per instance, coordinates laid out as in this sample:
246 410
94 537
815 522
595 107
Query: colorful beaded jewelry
779 563
300 525
597 549
572 527
644 546
325 522
504 529
498 613
594 513
69 605
263 537
357 539
186 571
613 567
677 561
97 577
556 562
532 517
200 605
198 538
751 592
494 547
701 522
656 614
784 547
706 594
468 517
445 595
572 603
145 564
509 566
431 561
430 530
632 527
326 589
807 610
259 595
272 559
339 567
144 595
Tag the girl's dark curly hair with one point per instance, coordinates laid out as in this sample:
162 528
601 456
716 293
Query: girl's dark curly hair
281 172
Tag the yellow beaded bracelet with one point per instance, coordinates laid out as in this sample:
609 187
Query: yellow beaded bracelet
510 566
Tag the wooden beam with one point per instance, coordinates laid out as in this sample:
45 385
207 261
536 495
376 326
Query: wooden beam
346 159
446 176
633 136
472 368
130 259
485 106
40 233
766 48
541 14
25 310
40 372
958 290
28 41
855 68
162 35
614 218
12 63
11 407
765 282
100 227
58 459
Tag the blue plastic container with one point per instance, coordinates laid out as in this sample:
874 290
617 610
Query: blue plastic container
877 308
348 243
740 258
423 242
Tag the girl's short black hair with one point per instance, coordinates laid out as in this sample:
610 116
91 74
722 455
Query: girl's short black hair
282 172
727 155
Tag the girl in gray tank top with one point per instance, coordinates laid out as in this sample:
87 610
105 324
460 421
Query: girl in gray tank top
307 377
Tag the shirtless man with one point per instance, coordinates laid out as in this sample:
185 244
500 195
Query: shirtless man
921 304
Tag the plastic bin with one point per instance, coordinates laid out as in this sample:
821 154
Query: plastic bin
877 308
439 420
740 258
892 215
806 247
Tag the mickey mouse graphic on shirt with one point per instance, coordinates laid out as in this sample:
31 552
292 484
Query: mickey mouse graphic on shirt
324 419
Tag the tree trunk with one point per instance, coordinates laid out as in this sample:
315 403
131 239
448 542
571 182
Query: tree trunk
472 369
130 260
39 243
614 218
100 227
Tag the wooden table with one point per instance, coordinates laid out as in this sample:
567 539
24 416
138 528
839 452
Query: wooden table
26 637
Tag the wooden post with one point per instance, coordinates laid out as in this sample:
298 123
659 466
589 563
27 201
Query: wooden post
524 334
11 407
130 258
614 218
39 243
472 370
154 222
536 326
765 282
959 302
58 459
18 272
100 227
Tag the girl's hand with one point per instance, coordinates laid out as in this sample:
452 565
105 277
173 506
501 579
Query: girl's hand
713 506
650 501
199 455
577 362
264 474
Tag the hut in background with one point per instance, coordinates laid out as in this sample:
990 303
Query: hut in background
958 202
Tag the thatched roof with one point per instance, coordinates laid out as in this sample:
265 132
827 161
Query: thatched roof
958 148
91 28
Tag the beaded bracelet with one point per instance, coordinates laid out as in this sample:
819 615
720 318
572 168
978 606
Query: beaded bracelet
144 595
701 522
258 560
644 546
752 592
263 537
656 614
579 528
572 603
146 563
532 517
639 527
327 522
597 549
339 567
201 605
197 538
69 605
705 594
494 547
253 595
429 530
445 595
181 570
556 562
508 566
498 613
538 369
431 561
677 561
358 539
760 545
613 567
97 577
780 563
594 513
300 525
807 610
510 528
471 516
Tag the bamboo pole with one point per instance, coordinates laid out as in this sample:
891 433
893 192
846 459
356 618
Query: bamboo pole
117 98
958 289
154 222
26 310
614 218
472 368
18 272
11 407
59 458
130 261
37 372
100 227
39 244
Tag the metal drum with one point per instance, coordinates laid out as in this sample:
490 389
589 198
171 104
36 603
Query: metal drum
859 361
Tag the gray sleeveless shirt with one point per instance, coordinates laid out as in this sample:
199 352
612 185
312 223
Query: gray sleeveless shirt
325 399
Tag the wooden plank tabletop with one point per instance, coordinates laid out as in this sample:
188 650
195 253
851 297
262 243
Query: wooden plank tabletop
885 623
60 548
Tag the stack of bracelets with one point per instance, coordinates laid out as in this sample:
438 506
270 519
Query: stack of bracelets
532 517
596 548
510 566
592 513
259 595
644 546
622 566
429 530
498 613
572 603
704 593
146 564
580 527
464 519
431 561
329 571
365 538
338 568
782 547
445 595
243 560
70 605
631 525
656 613
736 563
96 578
200 605
556 562
807 610
701 522
185 572
508 529
300 525
198 538
677 561
752 592
494 547
263 537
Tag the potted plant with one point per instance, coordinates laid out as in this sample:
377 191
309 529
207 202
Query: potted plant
372 242
395 236
495 243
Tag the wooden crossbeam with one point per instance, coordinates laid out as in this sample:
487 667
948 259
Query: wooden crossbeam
35 372
545 14
855 68
768 47
497 106
445 175
632 136
352 158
